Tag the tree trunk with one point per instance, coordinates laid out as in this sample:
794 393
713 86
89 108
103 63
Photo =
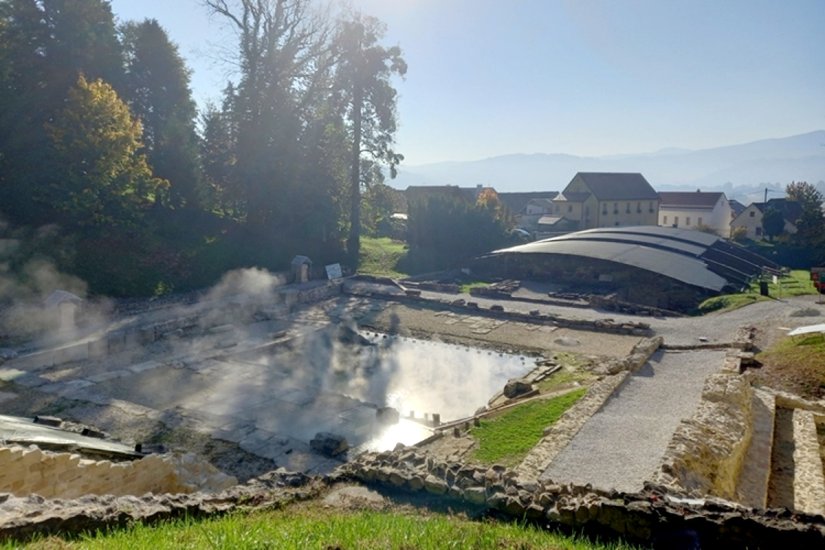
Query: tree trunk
354 239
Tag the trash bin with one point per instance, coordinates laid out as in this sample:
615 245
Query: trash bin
763 288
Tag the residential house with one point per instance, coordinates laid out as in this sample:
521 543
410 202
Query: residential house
736 208
605 199
695 210
517 202
751 217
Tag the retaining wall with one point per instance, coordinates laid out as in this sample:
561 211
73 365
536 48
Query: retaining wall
654 516
28 470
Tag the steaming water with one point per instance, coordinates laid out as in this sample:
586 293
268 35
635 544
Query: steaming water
418 377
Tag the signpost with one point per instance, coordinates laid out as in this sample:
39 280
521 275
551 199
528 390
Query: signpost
334 271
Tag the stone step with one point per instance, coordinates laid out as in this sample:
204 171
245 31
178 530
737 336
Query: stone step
754 479
809 479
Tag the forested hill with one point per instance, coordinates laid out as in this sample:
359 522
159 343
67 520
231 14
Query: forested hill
104 171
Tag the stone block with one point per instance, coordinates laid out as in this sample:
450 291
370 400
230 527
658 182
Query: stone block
434 485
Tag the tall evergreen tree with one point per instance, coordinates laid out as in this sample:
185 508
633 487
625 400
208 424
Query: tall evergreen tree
157 89
364 71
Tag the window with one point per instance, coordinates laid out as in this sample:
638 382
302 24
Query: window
664 220
758 230
687 221
675 221
615 207
699 222
627 210
650 208
751 213
569 207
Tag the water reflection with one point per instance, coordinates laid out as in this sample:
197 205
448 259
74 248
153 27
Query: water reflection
418 377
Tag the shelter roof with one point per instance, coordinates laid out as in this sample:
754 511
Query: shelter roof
691 257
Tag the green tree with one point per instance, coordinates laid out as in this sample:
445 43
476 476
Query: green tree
157 90
378 203
283 50
365 69
218 154
811 224
44 46
773 222
445 231
96 141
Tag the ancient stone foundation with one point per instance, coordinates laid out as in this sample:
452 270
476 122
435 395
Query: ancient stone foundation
652 516
30 471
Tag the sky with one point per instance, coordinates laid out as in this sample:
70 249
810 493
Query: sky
581 77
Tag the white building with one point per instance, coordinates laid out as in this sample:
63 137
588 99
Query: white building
695 210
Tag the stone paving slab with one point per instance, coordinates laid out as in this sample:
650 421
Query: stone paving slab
65 389
11 375
7 396
30 380
109 375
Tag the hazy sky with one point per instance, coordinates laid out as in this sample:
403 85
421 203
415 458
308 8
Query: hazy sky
584 77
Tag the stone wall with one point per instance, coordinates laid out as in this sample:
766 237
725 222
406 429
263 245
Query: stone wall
28 470
706 453
651 517
24 517
498 311
194 319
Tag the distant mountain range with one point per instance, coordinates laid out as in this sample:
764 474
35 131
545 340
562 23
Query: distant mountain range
741 171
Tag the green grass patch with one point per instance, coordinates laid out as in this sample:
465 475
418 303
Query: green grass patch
381 256
562 378
506 438
798 283
795 365
466 287
310 527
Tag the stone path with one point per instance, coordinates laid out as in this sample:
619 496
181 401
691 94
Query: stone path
621 446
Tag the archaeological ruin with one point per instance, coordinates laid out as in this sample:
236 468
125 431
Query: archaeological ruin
146 409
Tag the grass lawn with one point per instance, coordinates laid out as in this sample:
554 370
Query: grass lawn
466 287
797 284
312 526
380 256
795 364
505 439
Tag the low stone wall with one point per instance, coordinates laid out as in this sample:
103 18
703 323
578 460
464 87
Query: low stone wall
650 517
706 453
24 517
498 311
653 516
28 470
195 319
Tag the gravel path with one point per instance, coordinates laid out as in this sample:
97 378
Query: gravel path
621 446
